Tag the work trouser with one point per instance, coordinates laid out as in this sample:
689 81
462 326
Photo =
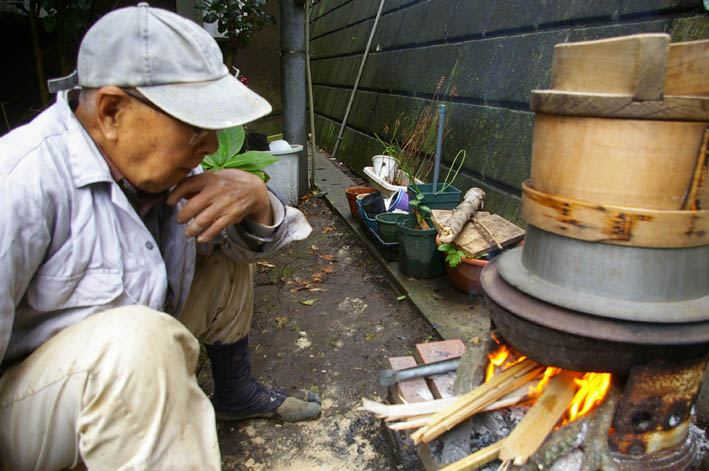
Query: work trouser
117 390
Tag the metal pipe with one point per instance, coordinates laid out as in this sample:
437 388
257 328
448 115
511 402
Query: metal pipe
359 75
293 84
310 94
439 145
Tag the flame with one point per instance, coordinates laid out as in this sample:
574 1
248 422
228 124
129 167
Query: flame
592 389
501 359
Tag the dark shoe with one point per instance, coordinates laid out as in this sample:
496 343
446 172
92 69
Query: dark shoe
238 396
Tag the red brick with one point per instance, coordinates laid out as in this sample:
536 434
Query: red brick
411 390
431 352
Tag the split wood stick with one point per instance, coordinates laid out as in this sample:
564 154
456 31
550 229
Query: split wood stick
515 397
477 459
464 212
402 411
392 412
540 419
475 400
410 423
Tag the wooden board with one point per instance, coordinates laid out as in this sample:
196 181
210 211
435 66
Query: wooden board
674 108
473 240
631 65
688 69
442 384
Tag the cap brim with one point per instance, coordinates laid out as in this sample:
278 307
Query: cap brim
217 104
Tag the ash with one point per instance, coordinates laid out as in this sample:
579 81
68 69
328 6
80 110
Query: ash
484 429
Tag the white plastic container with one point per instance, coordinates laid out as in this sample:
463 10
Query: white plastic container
385 187
284 173
385 166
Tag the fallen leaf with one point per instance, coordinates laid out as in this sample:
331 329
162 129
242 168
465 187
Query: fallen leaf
317 277
314 247
329 258
328 270
315 289
401 298
327 229
308 302
280 321
266 264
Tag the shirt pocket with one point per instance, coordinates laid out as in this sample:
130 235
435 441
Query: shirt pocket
94 287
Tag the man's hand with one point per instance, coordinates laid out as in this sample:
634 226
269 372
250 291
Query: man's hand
219 199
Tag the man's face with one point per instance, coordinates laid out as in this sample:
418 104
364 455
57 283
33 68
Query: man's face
157 151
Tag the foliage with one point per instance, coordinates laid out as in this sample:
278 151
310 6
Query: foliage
227 155
238 20
389 149
420 211
454 256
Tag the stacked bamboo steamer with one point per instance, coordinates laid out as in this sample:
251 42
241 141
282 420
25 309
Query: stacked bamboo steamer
618 197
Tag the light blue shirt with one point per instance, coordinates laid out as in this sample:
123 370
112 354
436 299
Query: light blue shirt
72 245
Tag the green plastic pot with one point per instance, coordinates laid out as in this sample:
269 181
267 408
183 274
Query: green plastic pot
446 199
387 225
418 255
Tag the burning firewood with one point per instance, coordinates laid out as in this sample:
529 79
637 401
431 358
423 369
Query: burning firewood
526 438
476 400
464 212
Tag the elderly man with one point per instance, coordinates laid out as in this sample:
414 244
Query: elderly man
102 291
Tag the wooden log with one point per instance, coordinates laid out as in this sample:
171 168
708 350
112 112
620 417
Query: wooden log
477 459
476 400
614 224
463 213
540 419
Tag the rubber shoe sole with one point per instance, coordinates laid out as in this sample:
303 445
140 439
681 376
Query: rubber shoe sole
291 410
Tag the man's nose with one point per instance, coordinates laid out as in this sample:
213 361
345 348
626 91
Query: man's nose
210 143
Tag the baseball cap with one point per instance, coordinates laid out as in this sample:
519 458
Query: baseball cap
171 60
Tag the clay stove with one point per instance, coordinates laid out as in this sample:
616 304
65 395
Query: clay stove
614 273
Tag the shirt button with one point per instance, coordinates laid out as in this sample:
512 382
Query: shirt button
149 245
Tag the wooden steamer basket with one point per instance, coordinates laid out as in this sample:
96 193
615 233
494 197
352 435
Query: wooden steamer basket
618 198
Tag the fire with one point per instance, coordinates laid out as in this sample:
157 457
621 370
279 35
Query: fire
592 387
501 359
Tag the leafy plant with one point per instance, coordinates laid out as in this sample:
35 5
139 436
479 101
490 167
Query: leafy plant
238 20
454 256
227 155
421 212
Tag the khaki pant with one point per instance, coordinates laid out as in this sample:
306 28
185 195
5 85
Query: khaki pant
117 390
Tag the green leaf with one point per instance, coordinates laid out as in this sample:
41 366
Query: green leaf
401 298
237 135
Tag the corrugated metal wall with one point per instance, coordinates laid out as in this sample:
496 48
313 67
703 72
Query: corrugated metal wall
490 54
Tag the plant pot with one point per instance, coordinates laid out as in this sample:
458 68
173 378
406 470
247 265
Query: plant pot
385 167
465 277
387 225
418 255
352 196
446 199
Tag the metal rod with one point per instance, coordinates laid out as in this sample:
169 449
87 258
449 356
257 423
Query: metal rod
439 145
310 94
359 75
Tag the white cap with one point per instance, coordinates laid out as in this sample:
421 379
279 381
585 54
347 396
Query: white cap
172 61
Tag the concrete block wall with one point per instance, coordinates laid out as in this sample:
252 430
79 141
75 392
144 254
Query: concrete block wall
490 54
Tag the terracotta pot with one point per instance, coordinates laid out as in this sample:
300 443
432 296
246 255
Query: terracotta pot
465 277
352 196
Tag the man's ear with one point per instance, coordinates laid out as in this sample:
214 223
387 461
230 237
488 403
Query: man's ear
111 107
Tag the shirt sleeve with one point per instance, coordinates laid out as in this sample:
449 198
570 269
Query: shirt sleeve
24 239
249 241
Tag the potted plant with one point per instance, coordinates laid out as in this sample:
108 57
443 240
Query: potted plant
444 195
231 154
418 256
463 272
